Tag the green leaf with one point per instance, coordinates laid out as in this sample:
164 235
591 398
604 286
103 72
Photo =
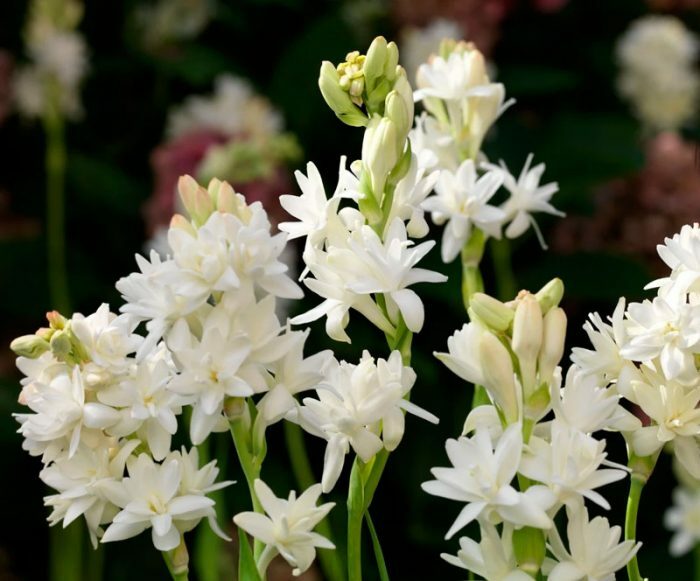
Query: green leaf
379 555
246 563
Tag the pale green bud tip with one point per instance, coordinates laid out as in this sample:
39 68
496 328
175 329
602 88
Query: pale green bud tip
497 369
527 327
60 344
196 199
234 407
529 548
550 294
554 337
492 312
31 346
374 63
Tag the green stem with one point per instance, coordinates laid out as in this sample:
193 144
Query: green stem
472 253
301 466
177 561
637 483
251 468
65 551
55 206
506 285
378 553
94 560
696 555
356 509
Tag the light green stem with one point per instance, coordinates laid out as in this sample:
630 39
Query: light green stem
94 561
636 486
177 561
54 128
251 468
301 466
66 551
471 256
506 285
356 509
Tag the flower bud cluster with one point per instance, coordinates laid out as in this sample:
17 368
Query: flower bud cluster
531 451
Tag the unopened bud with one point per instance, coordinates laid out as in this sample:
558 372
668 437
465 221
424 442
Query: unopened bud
554 336
61 345
392 61
31 346
550 294
492 312
351 76
195 199
375 61
397 111
379 152
527 340
45 333
529 549
403 88
56 320
497 370
337 99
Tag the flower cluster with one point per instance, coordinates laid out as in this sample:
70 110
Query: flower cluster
461 105
531 450
658 76
51 82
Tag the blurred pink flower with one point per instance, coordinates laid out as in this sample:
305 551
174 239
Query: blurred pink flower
635 214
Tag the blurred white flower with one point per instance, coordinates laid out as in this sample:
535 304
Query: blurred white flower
417 44
683 518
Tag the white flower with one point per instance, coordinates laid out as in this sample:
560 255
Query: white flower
673 409
462 201
434 145
462 75
681 253
233 109
481 476
293 374
150 498
82 484
683 518
594 554
604 360
154 295
569 464
60 53
586 406
355 404
491 558
61 415
317 215
146 405
666 330
288 526
417 44
108 340
526 197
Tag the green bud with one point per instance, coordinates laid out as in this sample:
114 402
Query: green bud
402 167
56 320
392 61
375 61
380 151
396 110
403 88
529 548
492 312
550 294
538 402
61 346
31 346
351 76
337 99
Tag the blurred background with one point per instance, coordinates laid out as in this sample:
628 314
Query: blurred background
228 88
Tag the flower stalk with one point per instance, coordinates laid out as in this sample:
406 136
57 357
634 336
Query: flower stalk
641 467
177 561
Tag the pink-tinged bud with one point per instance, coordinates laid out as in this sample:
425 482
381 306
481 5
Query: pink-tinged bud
195 199
56 320
182 223
497 370
527 340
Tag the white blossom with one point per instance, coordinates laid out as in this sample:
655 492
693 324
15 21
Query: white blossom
288 526
461 200
683 518
481 476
